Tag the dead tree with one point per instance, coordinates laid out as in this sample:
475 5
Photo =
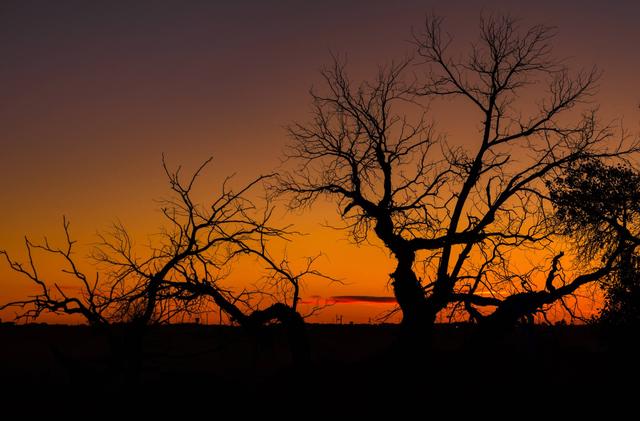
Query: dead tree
455 211
183 272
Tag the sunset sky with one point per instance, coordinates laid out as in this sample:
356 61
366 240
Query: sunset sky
93 93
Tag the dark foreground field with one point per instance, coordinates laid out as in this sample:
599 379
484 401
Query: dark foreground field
353 364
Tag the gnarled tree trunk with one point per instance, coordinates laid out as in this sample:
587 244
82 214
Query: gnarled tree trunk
417 319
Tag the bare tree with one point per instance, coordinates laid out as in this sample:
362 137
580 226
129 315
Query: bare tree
182 272
456 212
90 303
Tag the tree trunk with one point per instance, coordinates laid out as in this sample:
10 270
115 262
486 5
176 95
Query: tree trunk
416 317
294 325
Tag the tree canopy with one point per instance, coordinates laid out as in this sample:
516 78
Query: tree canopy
598 207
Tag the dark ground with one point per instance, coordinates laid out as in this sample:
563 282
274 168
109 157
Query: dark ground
356 365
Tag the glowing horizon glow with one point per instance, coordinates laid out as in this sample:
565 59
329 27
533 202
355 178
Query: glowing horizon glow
94 94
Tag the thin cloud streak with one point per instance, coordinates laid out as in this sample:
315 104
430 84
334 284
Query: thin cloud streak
348 299
354 299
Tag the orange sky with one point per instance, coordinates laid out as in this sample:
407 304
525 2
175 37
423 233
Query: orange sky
92 95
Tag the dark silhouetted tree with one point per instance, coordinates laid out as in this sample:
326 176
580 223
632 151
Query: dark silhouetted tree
181 273
454 211
598 208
